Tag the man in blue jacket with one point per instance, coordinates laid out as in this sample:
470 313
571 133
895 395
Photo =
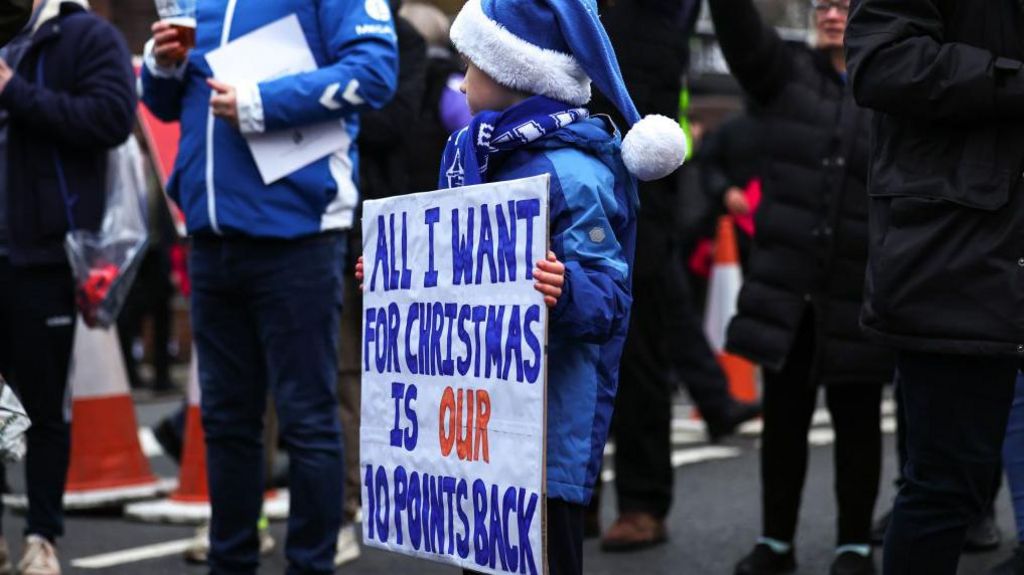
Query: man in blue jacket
267 258
67 97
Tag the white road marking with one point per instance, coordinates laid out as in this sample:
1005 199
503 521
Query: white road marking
134 555
150 446
689 456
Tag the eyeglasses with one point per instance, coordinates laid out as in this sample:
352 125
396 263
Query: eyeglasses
823 6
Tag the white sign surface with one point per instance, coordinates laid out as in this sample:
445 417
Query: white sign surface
453 409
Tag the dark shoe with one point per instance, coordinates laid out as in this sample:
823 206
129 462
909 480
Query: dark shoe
879 528
168 439
983 534
850 563
730 418
763 561
634 531
1012 566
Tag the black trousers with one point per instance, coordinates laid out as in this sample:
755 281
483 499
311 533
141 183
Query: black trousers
955 411
37 327
665 345
790 397
150 296
565 539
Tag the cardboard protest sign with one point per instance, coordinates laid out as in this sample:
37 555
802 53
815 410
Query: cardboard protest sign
454 376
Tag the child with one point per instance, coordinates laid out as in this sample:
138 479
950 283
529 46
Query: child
530 66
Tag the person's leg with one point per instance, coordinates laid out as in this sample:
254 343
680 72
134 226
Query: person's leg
44 321
856 419
643 413
298 301
233 385
163 292
1013 455
956 413
565 537
789 401
349 395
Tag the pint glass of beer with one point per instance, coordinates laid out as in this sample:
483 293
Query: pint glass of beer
181 15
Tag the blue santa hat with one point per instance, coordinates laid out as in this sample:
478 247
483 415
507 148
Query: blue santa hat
555 48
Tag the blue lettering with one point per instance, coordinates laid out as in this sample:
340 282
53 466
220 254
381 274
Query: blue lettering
380 257
532 369
506 242
410 351
462 250
414 510
413 431
513 345
371 316
498 539
528 209
432 216
495 323
383 513
511 551
463 363
485 249
482 554
401 501
462 542
524 516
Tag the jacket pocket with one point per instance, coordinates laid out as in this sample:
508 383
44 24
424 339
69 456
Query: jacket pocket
961 165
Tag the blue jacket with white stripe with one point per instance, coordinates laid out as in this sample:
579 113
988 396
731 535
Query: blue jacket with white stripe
593 211
215 179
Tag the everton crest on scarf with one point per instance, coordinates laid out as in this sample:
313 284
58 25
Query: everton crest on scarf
470 151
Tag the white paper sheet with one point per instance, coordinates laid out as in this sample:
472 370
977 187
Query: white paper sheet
276 50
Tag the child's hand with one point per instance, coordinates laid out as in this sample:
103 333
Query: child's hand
550 276
359 272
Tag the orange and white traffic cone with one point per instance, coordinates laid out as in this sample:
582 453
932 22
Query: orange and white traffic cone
108 467
723 293
190 502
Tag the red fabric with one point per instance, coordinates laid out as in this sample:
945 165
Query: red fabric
701 258
753 194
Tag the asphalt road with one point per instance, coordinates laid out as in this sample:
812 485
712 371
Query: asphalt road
714 521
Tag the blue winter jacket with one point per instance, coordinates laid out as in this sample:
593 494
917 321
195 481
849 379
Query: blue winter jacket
593 209
215 179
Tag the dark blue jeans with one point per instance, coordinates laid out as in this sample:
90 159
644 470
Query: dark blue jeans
1013 455
265 315
955 412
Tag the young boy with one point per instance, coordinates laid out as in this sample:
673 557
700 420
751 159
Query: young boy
530 66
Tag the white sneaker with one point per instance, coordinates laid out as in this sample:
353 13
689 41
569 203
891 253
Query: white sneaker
199 550
40 557
348 546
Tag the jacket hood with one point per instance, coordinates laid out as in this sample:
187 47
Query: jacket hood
51 9
598 136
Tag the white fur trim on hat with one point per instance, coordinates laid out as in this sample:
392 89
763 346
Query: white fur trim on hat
653 148
516 63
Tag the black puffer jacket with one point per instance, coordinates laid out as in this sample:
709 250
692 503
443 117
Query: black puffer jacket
810 248
947 207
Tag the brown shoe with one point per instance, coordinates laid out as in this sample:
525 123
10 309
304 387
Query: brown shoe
634 531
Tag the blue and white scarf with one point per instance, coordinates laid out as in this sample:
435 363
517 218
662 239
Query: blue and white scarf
470 151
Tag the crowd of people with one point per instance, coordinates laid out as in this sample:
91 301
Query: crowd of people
871 176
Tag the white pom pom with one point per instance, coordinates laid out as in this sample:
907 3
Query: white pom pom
654 148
